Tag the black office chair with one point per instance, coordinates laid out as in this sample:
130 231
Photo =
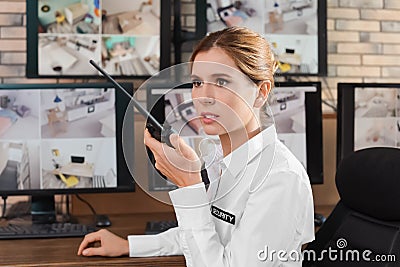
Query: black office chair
367 217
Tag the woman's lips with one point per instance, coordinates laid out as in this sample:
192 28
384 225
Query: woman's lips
208 117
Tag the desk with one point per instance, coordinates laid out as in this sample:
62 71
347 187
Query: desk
77 169
62 251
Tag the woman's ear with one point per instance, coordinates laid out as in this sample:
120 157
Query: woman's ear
263 91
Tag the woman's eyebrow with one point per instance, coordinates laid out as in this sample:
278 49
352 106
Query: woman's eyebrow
221 75
215 75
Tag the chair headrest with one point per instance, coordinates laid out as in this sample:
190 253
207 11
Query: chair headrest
368 181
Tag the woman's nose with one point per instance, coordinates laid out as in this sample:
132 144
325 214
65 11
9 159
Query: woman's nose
207 96
207 100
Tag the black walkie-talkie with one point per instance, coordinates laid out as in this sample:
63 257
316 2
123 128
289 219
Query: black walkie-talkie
158 131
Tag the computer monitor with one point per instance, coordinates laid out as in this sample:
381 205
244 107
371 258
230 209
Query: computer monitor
78 159
368 116
127 38
296 29
62 139
297 114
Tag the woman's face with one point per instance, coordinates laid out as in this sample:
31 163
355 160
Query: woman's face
222 95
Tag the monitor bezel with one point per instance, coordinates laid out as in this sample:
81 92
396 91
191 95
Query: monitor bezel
32 35
321 35
125 181
345 115
314 138
314 135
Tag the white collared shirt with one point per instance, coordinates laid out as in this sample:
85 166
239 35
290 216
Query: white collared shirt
262 202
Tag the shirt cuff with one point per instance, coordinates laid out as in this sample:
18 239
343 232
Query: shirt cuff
191 206
144 245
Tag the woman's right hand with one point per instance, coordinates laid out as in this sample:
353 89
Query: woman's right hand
179 164
111 245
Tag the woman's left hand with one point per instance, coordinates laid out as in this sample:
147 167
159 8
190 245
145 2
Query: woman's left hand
180 164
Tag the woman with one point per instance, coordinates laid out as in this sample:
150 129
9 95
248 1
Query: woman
259 201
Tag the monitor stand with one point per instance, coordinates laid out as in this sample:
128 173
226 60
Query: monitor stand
43 209
40 208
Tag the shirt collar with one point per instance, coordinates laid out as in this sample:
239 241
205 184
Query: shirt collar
237 160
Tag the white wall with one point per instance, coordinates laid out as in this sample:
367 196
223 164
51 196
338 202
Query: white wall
30 99
105 154
66 147
156 5
24 97
118 6
147 45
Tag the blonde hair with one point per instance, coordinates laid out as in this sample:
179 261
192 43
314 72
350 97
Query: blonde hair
249 50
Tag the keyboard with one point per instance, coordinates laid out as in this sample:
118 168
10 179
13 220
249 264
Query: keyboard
18 209
156 227
53 230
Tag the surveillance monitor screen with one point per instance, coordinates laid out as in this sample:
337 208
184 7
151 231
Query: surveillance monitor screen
368 116
295 29
376 117
296 111
61 138
124 37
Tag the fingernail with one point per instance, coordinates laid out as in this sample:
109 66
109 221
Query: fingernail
84 252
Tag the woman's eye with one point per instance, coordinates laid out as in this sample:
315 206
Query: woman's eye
221 82
197 83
